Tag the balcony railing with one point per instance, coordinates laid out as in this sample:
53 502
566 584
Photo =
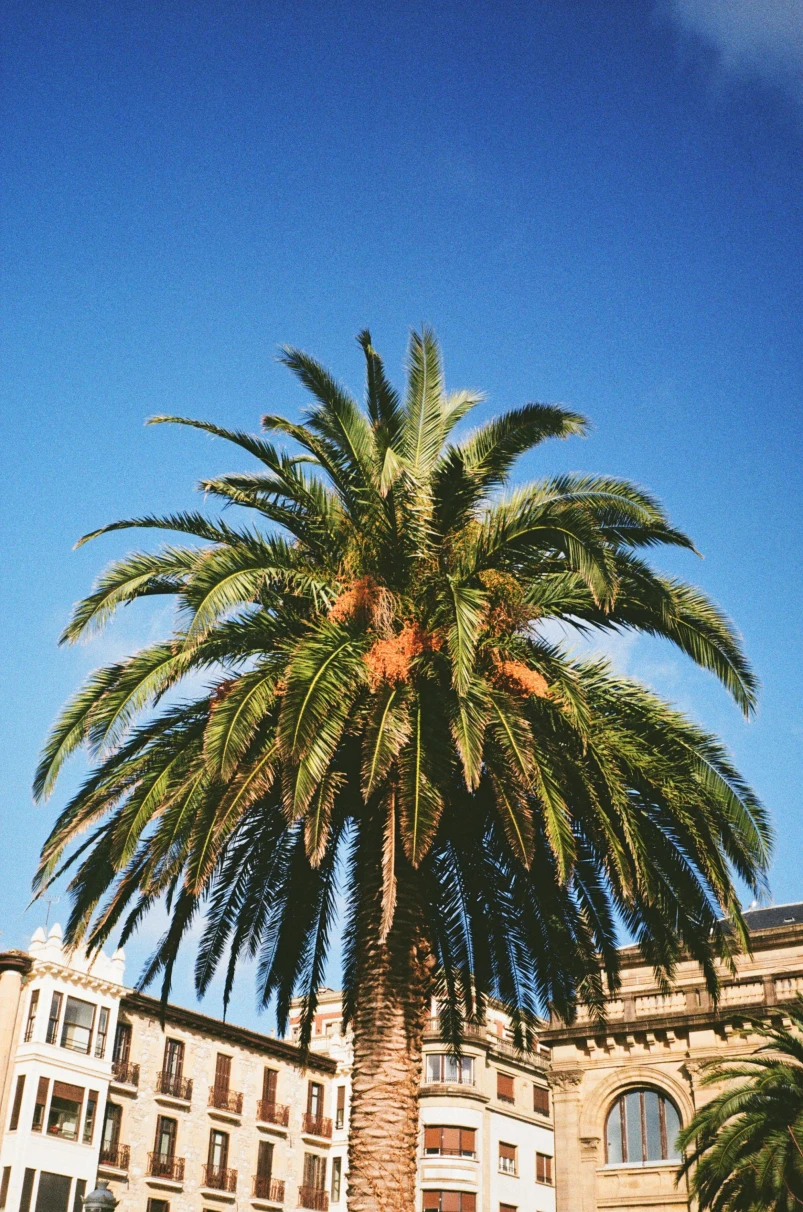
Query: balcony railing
175 1086
226 1100
313 1197
273 1113
316 1125
125 1073
161 1165
117 1156
271 1189
218 1178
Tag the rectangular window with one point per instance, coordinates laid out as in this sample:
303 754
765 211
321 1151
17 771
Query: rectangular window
314 1171
4 1181
443 1067
507 1158
40 1104
111 1128
16 1106
158 1205
269 1079
508 1208
27 1190
173 1065
337 1178
122 1048
505 1091
222 1073
103 1031
90 1116
315 1099
265 1161
449 1142
218 1156
53 1192
76 1033
65 1110
53 1020
33 1005
340 1113
165 1143
78 1197
541 1100
450 1201
543 1168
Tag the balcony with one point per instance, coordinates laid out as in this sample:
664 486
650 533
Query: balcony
273 1113
316 1125
173 1085
313 1197
230 1101
161 1165
125 1074
116 1156
218 1178
269 1189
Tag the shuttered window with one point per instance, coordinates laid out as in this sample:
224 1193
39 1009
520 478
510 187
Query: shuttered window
449 1141
541 1100
4 1185
504 1088
269 1077
340 1112
543 1168
41 1102
314 1171
222 1073
32 1007
450 1201
17 1104
507 1158
508 1208
315 1099
265 1160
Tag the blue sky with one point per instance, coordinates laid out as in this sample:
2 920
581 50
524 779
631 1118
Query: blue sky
592 202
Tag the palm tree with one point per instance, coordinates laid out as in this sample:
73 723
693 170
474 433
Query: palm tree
744 1148
390 738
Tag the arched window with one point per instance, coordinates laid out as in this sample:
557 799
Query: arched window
642 1127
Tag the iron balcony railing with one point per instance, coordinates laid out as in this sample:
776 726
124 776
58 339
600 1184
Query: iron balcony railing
117 1156
316 1125
313 1197
125 1073
162 1165
273 1113
226 1100
219 1178
271 1189
175 1086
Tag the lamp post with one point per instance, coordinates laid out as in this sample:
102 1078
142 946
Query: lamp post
101 1199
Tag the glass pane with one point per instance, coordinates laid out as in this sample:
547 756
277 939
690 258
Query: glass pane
450 1070
614 1137
672 1129
634 1153
653 1151
77 1029
467 1069
433 1068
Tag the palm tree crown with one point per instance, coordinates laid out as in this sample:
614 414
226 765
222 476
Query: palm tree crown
744 1148
385 707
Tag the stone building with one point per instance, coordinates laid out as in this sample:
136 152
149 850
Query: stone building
485 1139
620 1093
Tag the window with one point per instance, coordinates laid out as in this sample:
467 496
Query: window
173 1064
65 1110
315 1099
53 1194
218 1155
449 1142
76 1032
122 1051
265 1161
222 1073
507 1159
269 1079
103 1031
340 1113
16 1106
111 1129
31 1021
541 1100
89 1117
543 1168
78 1197
450 1201
444 1067
4 1181
40 1104
27 1190
158 1205
53 1020
314 1171
642 1127
337 1178
508 1208
165 1142
505 1091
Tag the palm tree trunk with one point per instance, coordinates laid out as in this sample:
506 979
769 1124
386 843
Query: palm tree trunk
392 993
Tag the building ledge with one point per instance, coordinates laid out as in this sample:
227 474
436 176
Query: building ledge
447 1090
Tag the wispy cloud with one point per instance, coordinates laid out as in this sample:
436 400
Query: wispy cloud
752 37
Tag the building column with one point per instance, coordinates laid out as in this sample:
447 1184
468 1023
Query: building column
14 965
570 1195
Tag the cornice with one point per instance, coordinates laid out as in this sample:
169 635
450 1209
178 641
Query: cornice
15 961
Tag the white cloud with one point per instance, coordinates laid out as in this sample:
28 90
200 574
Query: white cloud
756 37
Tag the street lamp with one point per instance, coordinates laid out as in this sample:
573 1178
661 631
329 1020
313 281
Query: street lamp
101 1199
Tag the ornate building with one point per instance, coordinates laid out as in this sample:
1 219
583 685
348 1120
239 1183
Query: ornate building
619 1094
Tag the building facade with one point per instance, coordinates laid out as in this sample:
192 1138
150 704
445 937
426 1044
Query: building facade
485 1137
620 1093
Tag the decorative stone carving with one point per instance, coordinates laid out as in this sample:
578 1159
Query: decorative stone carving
566 1079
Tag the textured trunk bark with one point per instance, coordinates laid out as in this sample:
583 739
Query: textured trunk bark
393 982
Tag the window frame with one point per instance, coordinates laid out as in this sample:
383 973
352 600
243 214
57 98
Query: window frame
429 1151
618 1106
441 1080
513 1169
30 1022
544 1166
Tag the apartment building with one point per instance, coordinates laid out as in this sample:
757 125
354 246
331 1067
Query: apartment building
486 1136
178 1111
